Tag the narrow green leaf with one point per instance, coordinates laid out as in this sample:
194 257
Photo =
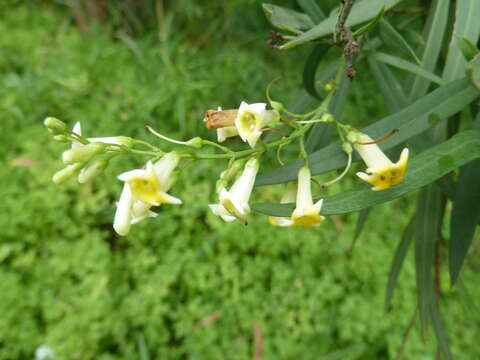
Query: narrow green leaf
465 214
311 8
435 31
310 69
439 330
407 66
362 220
287 19
388 85
392 37
467 25
473 69
446 100
427 225
423 169
468 49
398 260
321 134
369 26
142 347
361 12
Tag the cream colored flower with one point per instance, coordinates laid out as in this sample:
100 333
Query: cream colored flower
130 211
150 185
381 172
306 212
143 189
226 132
250 120
114 140
234 202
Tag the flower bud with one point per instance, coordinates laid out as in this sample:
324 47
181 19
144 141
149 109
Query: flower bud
353 136
347 147
220 184
66 173
61 138
196 142
328 87
327 118
277 106
233 170
55 126
91 172
124 140
82 153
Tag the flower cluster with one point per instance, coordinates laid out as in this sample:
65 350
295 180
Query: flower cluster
148 187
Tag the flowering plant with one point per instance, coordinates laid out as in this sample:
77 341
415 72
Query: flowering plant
438 148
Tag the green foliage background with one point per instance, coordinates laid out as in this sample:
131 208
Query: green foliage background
68 281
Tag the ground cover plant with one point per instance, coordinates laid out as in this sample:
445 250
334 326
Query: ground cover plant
186 285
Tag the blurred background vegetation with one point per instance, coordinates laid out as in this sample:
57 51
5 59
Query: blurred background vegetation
184 285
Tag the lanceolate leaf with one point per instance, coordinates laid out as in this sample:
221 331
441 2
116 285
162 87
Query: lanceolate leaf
311 8
465 215
446 100
467 25
388 85
362 220
398 260
369 26
439 330
310 69
392 37
423 169
427 227
287 19
362 11
468 49
436 25
473 70
407 66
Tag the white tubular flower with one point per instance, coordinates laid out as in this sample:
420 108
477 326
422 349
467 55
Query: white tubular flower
150 185
113 140
226 132
123 215
143 189
381 172
141 211
306 212
130 211
250 120
234 202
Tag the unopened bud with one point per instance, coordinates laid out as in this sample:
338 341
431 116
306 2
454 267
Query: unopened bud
347 147
196 142
55 126
327 118
124 140
354 136
233 170
221 184
328 87
66 173
82 153
91 172
61 138
277 106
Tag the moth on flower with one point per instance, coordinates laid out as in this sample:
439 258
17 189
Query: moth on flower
143 189
233 203
306 213
381 171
